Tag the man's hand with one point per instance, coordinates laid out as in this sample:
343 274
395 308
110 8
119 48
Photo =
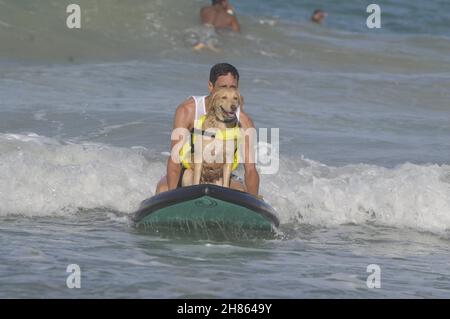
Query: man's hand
251 178
235 27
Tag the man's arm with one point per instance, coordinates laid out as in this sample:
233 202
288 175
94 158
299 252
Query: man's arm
182 119
235 24
251 175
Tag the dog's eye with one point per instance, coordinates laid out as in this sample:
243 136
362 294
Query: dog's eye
224 97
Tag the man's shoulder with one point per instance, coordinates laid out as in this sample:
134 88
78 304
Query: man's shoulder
206 10
243 115
245 119
188 104
186 110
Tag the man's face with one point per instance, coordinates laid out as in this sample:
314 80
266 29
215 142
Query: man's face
223 81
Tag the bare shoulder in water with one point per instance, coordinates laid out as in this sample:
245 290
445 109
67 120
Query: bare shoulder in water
218 16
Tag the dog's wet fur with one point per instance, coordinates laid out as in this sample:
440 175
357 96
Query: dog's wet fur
220 115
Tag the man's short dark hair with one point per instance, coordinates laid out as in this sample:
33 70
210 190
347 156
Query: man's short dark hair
222 69
318 11
216 1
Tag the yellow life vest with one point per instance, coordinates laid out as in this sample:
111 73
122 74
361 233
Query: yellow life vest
233 133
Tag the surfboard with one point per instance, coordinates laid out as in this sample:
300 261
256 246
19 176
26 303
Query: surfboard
207 209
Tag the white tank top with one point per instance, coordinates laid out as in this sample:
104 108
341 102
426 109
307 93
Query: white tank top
200 107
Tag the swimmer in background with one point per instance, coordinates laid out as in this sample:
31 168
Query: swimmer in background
219 15
318 16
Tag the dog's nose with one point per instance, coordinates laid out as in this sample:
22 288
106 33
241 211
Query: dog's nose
234 108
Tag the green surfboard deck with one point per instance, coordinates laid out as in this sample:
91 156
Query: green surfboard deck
207 209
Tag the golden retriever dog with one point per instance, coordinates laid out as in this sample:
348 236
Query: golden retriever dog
219 135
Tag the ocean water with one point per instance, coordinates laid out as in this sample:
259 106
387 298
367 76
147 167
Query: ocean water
364 172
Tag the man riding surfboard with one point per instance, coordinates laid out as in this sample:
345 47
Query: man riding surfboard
222 75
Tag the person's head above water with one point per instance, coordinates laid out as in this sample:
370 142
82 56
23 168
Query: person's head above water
318 16
223 75
224 4
221 2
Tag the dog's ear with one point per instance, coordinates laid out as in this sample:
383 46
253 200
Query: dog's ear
214 98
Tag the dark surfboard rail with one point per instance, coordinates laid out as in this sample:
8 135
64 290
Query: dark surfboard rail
180 195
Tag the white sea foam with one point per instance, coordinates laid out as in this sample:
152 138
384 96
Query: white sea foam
42 176
409 195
